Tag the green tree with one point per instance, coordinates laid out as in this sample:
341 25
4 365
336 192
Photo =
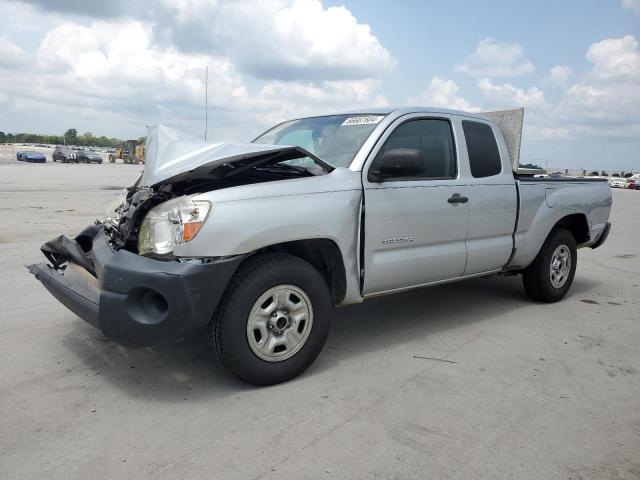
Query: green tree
71 136
532 166
87 139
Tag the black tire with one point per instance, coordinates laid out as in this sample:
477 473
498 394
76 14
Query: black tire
227 331
537 277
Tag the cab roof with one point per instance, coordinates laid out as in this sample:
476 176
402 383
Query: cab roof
412 109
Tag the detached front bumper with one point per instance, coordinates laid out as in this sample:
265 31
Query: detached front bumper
136 301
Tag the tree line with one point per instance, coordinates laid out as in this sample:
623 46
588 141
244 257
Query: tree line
70 137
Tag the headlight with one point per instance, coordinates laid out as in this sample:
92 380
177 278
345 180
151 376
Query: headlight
171 223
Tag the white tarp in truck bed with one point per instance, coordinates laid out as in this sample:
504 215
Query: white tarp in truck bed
510 124
170 153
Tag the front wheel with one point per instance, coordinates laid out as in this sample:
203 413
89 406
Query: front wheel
273 321
550 276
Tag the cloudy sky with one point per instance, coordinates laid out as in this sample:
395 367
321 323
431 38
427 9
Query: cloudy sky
111 67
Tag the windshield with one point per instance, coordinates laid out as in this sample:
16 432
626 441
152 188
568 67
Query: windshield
334 138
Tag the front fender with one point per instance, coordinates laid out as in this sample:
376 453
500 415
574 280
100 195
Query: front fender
242 226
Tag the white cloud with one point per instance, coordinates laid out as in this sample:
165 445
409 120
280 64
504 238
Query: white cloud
11 55
113 76
508 95
606 104
615 58
538 132
560 74
267 39
633 5
282 100
117 60
492 59
278 39
442 93
612 88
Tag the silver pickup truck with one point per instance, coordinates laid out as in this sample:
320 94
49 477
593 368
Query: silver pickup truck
255 243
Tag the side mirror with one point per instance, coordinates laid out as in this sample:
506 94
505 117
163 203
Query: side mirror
397 163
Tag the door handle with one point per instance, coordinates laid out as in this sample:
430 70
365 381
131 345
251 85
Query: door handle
457 198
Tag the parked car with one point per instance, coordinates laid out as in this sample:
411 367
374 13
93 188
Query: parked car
88 156
64 155
30 156
635 185
615 182
255 243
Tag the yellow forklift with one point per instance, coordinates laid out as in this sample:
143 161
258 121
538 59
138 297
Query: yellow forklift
131 151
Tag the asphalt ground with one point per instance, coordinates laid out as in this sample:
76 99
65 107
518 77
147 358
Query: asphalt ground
469 380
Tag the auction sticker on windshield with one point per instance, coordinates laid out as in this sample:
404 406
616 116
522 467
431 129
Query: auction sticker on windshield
363 120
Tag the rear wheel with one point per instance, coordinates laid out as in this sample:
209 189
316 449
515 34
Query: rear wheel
273 320
551 274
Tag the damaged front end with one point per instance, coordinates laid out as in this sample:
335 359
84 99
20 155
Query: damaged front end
120 275
159 210
135 300
122 223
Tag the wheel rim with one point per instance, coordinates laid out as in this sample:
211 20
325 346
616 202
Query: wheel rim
560 266
279 323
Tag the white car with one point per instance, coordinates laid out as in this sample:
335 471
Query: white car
615 182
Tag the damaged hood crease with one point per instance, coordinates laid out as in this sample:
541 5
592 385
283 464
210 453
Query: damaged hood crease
173 156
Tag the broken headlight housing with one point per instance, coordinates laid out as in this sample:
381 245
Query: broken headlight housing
112 216
171 223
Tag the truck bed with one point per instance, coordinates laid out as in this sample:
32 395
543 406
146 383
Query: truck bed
543 202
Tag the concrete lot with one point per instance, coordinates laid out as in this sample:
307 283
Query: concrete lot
525 391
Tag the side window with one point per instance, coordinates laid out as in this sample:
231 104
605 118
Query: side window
484 156
433 138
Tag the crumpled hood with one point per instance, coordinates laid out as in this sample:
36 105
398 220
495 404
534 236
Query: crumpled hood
171 155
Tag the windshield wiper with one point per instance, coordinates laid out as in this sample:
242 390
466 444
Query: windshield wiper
283 166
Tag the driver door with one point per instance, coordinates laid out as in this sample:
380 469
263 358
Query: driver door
415 226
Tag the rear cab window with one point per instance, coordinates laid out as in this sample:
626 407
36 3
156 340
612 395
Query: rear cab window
484 155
